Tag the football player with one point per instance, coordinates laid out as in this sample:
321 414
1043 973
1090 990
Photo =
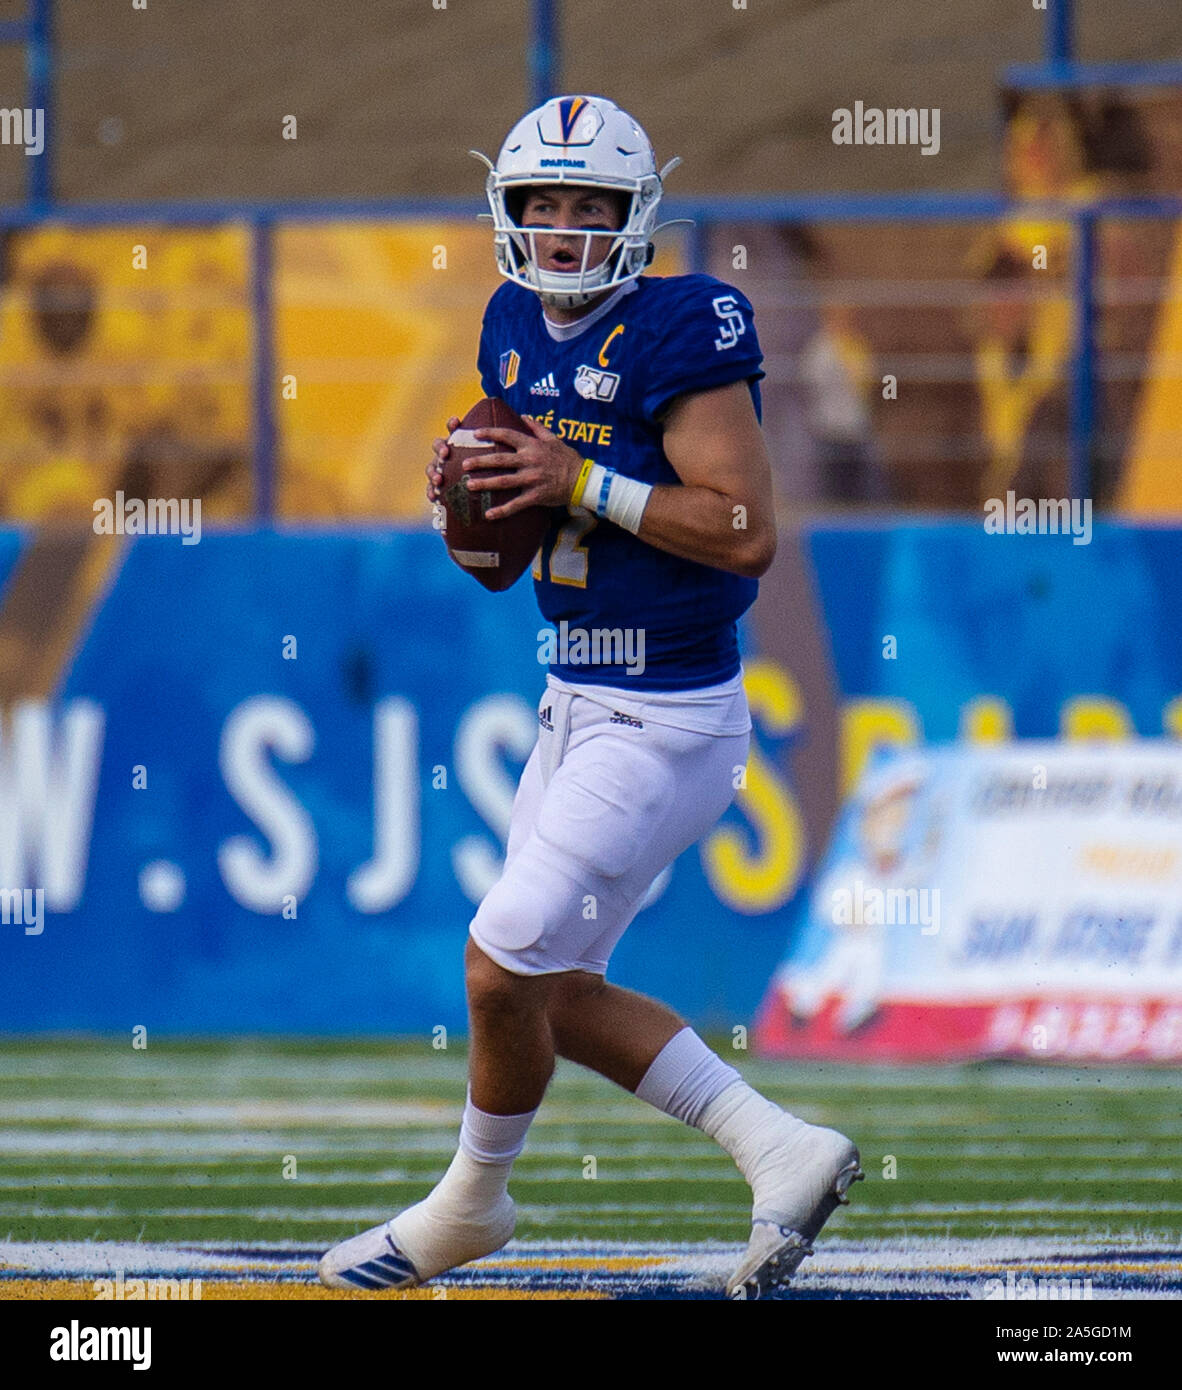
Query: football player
645 439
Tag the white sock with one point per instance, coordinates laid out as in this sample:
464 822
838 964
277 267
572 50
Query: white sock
685 1076
493 1138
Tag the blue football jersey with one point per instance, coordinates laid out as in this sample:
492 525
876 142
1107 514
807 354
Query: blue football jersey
603 387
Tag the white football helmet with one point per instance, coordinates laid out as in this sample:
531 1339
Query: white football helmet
584 142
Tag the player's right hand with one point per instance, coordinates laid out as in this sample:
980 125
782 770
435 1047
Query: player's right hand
435 467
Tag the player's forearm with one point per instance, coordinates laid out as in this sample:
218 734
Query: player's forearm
700 524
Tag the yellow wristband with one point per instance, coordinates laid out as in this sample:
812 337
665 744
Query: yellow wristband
576 495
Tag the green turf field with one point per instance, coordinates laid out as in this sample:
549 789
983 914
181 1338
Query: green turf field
188 1143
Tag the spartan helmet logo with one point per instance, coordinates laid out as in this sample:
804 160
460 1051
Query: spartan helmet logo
570 121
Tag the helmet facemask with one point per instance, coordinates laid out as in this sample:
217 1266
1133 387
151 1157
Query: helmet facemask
628 254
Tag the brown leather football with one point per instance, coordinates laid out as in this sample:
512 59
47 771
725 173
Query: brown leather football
497 553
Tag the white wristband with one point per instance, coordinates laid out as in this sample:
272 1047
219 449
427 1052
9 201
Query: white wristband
626 501
619 499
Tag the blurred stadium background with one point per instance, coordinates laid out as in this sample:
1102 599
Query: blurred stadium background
262 779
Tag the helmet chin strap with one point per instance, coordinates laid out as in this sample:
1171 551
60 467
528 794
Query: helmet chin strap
568 301
573 299
555 299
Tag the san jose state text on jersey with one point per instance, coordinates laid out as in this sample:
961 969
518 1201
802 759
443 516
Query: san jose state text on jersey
604 390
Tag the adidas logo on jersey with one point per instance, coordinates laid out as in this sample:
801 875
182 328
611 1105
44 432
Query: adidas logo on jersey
545 387
544 718
619 717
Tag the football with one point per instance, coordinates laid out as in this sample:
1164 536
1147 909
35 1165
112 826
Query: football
496 553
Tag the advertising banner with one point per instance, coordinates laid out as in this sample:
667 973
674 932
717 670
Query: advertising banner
1019 901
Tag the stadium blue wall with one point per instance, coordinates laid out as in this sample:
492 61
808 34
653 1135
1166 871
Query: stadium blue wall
1036 621
189 636
184 637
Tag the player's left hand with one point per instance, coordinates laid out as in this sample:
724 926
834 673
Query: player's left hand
541 465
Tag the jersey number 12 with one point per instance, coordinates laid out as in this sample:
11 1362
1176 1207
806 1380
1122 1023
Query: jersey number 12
568 556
